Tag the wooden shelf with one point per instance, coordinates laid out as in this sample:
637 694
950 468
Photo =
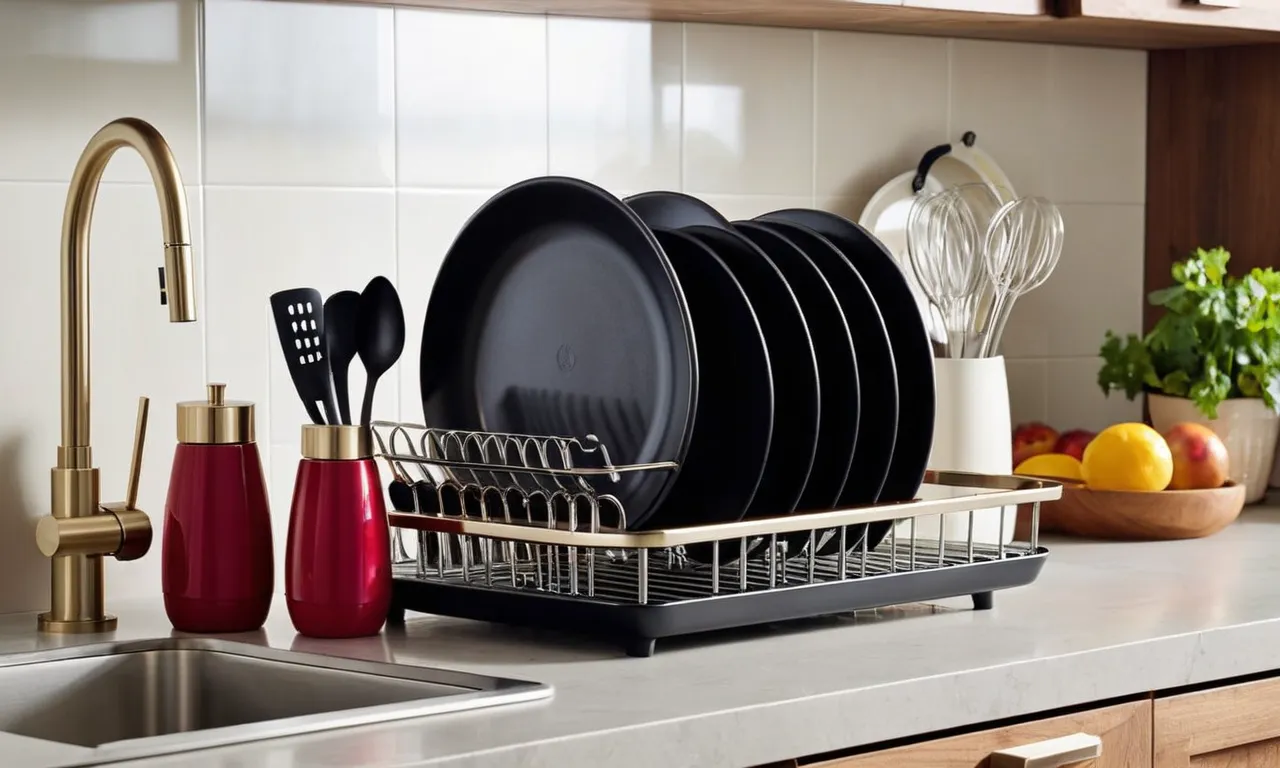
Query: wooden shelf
1146 24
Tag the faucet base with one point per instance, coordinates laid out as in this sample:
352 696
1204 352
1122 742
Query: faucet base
105 624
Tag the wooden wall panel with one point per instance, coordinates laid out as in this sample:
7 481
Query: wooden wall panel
1213 158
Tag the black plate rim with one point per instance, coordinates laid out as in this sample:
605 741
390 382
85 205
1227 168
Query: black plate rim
683 340
758 464
756 251
869 297
916 339
846 339
697 209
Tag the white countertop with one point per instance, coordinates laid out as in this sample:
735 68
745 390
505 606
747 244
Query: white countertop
1103 620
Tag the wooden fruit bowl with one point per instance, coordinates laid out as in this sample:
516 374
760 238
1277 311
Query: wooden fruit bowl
1139 515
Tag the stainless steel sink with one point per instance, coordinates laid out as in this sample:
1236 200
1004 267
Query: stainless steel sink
136 699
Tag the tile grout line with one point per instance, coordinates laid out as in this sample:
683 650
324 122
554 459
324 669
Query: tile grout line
202 167
813 118
950 85
546 92
395 171
684 81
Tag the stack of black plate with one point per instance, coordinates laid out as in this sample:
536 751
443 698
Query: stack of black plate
781 361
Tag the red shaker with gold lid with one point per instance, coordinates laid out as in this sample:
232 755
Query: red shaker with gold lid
218 566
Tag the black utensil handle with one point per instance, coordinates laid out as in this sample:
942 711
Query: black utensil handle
342 394
330 409
926 163
313 411
366 410
931 157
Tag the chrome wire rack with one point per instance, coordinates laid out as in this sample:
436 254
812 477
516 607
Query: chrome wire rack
517 529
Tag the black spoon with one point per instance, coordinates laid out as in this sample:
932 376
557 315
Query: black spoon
379 335
341 315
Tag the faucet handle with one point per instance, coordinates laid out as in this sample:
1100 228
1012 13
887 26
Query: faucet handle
135 463
121 529
135 526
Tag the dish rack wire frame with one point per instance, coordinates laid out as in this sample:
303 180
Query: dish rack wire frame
517 518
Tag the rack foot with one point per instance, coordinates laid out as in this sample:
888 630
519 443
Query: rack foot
639 647
983 601
395 614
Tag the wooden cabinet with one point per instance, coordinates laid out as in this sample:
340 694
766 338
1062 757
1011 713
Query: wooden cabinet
1125 730
1236 726
1250 15
1149 24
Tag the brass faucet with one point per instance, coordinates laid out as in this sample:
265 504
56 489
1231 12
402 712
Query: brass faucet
80 532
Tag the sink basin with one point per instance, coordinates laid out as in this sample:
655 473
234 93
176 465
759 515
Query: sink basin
139 699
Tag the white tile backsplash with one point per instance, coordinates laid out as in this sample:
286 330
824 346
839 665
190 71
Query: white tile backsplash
1097 155
298 94
1095 288
748 110
68 67
1000 91
323 144
471 98
870 129
738 207
614 96
1076 402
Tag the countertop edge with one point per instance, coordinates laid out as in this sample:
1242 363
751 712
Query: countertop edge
758 734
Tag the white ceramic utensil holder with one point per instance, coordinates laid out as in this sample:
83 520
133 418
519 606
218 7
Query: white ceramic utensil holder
972 433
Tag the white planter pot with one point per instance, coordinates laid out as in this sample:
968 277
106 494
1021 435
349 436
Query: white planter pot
1246 425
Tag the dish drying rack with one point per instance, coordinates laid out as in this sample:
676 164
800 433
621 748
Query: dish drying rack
517 529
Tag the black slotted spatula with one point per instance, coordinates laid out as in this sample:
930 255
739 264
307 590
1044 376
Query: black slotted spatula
299 318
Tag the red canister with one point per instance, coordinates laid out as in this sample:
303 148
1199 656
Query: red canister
338 556
218 570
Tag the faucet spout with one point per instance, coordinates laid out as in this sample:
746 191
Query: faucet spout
79 532
179 287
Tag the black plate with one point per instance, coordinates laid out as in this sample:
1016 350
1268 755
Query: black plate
837 365
675 210
726 456
793 366
913 352
877 375
555 311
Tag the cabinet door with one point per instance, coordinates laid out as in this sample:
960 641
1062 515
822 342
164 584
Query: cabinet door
1236 14
1125 730
1236 726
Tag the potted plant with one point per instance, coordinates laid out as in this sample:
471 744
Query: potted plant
1213 358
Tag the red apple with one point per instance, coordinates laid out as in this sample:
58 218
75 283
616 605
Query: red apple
1199 457
1032 439
1073 442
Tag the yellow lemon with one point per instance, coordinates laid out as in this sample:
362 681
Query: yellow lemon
1058 465
1128 457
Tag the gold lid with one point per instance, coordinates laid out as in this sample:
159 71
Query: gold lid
334 442
215 420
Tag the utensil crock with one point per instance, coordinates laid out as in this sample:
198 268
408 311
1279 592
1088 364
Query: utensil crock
971 434
338 556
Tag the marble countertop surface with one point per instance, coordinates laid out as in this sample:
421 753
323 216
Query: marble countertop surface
1103 620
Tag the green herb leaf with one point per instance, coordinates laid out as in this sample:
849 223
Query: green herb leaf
1218 337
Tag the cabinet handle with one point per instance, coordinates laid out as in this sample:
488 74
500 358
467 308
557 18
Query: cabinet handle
1050 753
1214 3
